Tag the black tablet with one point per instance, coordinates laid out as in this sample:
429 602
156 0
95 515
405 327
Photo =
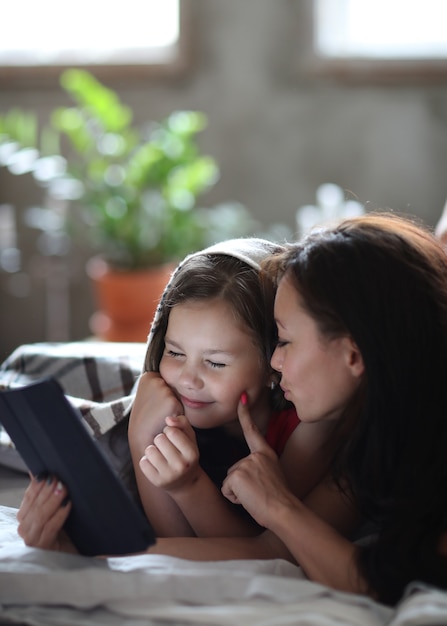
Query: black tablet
49 435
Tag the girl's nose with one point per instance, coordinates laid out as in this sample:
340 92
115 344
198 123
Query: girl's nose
190 377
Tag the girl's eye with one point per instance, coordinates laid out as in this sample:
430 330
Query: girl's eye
215 365
174 354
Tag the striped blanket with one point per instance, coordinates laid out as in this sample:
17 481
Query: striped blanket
98 378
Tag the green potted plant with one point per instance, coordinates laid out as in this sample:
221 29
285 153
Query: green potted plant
131 191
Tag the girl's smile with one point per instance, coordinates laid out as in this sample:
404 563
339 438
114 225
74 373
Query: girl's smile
193 404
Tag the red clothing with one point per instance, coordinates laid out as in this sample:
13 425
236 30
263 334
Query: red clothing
219 450
280 427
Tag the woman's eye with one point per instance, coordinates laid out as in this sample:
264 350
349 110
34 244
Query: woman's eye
281 343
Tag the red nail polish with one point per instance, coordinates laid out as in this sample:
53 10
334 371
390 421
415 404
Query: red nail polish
244 398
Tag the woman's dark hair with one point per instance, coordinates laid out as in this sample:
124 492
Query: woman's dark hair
382 280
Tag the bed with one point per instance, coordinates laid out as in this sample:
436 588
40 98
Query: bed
40 588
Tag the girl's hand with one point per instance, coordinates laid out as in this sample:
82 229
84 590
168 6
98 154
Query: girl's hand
172 461
154 400
257 481
44 509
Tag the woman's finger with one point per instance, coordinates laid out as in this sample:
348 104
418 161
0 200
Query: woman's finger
37 492
43 512
52 528
255 441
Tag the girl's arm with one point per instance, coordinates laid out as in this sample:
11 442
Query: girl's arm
154 400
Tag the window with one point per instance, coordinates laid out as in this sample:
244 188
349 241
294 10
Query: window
385 39
148 36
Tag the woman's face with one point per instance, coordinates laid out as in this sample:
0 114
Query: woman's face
318 375
209 360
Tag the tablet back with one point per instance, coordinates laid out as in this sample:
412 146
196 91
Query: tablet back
49 435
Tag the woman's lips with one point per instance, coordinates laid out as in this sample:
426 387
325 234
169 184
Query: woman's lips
285 391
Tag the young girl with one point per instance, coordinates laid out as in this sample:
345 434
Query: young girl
211 341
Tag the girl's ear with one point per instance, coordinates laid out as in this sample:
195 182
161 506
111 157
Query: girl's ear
354 358
272 379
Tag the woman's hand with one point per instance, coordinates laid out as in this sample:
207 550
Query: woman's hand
257 481
42 514
172 461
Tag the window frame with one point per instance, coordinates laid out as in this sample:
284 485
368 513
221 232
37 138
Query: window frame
360 69
48 75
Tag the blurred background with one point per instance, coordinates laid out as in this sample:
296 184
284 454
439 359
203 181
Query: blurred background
281 122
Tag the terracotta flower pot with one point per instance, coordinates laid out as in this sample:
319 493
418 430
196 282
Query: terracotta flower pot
126 300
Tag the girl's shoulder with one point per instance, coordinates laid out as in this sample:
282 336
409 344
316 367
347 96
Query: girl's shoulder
281 425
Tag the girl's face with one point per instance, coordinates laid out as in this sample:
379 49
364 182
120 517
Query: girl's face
209 360
318 375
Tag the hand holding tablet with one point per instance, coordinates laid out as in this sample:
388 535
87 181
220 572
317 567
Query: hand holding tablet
49 435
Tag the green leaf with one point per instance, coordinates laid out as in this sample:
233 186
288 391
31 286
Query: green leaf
98 101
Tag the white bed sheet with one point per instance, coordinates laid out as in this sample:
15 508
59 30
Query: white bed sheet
42 588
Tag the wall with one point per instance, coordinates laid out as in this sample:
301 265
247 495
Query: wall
276 135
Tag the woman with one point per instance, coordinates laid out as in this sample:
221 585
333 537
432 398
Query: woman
361 311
